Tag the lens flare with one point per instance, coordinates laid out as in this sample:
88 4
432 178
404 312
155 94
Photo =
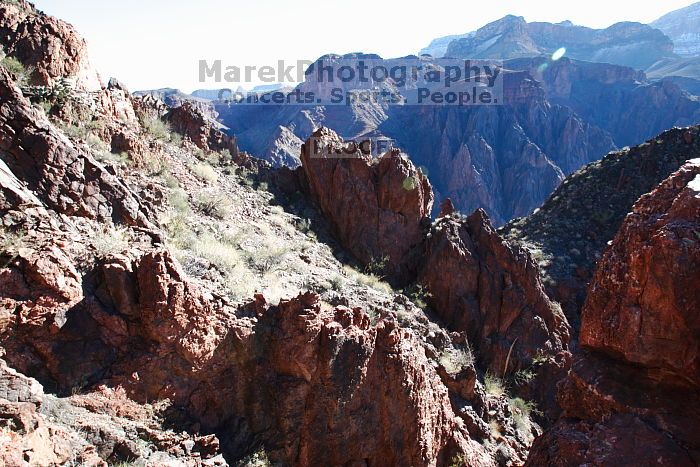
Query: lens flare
559 53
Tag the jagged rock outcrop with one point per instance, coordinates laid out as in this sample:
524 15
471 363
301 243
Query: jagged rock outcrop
570 231
61 175
339 389
51 47
376 208
175 98
490 289
643 303
639 333
190 122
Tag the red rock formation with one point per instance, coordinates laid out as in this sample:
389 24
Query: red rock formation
490 288
376 209
321 383
27 437
639 331
642 307
63 177
190 122
51 47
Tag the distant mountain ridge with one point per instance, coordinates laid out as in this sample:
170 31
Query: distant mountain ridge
683 27
630 44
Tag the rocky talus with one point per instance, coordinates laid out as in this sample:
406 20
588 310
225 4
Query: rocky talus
636 376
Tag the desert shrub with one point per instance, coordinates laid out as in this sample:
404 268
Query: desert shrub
205 172
522 411
10 244
522 377
13 66
75 131
540 358
121 158
214 204
110 240
257 459
175 138
95 142
377 266
418 294
222 255
170 181
267 259
303 225
58 94
493 385
154 165
336 283
368 280
157 128
178 200
456 360
179 231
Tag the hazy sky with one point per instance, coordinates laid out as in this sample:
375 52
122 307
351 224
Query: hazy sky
158 43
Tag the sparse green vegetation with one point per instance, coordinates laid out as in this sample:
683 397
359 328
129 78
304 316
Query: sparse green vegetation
493 385
154 165
377 266
368 280
418 294
522 377
336 283
179 201
224 256
179 231
121 158
57 94
13 66
267 259
257 459
205 172
456 360
10 244
170 181
214 204
110 240
539 358
522 411
157 128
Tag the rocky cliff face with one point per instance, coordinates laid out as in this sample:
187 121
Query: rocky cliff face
377 208
51 48
482 285
612 97
638 367
504 159
569 232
